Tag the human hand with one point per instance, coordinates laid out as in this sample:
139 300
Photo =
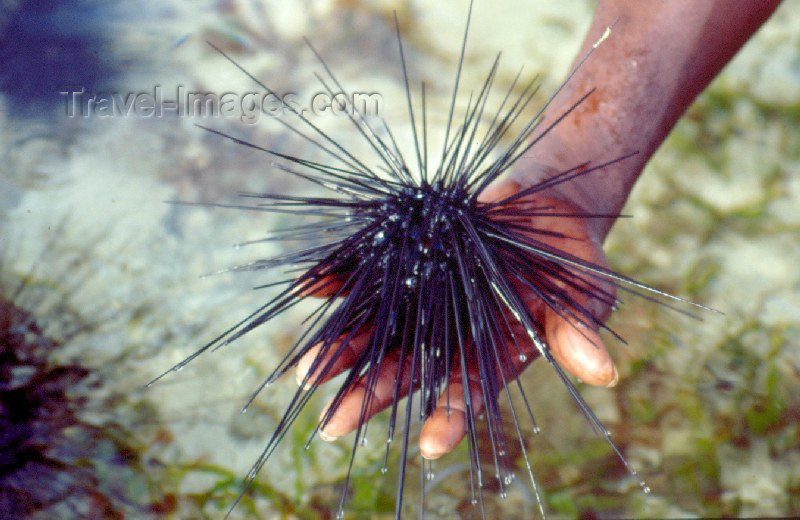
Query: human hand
578 348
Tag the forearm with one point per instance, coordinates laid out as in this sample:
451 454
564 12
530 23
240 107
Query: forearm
659 56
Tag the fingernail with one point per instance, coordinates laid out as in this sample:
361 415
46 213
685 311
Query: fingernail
299 377
325 437
300 374
430 455
614 379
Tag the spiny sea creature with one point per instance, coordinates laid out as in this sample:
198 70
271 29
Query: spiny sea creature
420 277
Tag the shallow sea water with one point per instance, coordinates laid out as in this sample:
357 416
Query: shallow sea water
708 412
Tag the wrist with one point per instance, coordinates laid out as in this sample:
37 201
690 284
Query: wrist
592 192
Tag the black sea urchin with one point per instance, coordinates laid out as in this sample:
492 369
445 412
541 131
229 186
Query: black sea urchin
420 276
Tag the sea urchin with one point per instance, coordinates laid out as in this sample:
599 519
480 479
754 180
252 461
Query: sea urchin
423 281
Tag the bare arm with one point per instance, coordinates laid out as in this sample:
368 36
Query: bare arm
658 58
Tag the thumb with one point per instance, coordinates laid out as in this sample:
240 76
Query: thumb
580 350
